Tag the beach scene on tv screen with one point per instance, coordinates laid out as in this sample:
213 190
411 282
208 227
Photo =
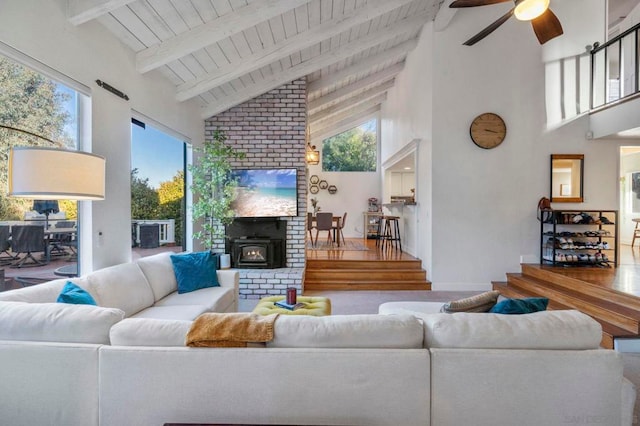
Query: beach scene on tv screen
262 193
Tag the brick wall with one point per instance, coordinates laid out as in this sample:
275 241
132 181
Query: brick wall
270 129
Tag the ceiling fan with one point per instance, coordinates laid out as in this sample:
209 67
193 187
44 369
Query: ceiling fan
545 23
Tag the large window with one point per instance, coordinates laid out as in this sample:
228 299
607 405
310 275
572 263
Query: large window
157 188
33 102
355 150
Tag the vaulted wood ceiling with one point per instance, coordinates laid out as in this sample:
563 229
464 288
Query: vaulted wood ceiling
225 52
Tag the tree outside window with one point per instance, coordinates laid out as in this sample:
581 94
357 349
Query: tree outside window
355 150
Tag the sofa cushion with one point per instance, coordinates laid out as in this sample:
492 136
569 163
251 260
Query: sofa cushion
182 312
541 330
347 331
47 292
149 332
195 270
122 286
75 295
478 303
520 306
159 272
216 299
57 322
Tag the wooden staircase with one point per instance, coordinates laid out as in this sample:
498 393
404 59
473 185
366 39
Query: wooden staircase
617 312
330 274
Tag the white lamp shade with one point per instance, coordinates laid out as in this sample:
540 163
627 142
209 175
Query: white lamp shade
55 174
526 10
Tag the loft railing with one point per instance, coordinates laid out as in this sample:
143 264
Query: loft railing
614 69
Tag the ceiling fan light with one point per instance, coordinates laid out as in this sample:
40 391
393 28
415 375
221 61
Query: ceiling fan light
526 10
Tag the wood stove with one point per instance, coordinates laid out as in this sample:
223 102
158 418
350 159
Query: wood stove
257 243
257 253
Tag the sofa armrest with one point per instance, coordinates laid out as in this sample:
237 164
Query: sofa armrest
628 401
229 278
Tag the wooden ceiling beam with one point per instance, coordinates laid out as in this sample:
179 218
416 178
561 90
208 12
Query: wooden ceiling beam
81 11
362 84
212 32
348 108
373 93
444 16
331 57
286 47
399 51
343 123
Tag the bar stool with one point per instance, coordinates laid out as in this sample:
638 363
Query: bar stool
636 231
389 232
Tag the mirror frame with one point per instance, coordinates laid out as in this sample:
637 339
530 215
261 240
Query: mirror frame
578 199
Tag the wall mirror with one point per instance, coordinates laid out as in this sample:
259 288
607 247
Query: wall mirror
567 172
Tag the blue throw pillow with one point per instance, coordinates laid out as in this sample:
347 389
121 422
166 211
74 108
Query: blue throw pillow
520 306
195 270
71 293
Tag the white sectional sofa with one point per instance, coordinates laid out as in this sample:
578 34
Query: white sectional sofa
404 368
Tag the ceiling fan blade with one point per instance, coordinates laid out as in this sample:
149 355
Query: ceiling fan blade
473 3
547 26
491 28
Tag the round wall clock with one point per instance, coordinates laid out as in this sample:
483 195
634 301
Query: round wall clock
488 130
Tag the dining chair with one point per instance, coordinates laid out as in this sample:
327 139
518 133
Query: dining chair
310 226
324 222
28 239
338 227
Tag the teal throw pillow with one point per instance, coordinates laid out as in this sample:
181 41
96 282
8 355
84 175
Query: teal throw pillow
71 293
520 306
195 270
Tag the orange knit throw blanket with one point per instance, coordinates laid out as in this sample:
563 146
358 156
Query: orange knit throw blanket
233 330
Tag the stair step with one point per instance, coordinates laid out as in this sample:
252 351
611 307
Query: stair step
368 285
609 331
609 312
313 264
576 284
366 274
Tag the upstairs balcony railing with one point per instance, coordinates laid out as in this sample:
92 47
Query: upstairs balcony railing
593 80
614 69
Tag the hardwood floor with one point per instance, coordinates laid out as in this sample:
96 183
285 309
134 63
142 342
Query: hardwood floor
609 295
371 269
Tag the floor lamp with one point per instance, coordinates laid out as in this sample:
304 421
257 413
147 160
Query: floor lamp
39 173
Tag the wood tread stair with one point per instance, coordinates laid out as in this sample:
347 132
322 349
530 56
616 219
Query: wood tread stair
618 313
328 274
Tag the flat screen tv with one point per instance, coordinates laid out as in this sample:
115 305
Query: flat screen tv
266 193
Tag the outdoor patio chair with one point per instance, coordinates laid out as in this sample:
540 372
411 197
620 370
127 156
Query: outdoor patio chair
59 243
27 239
6 256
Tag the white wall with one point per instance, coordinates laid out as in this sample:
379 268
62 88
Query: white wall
354 189
483 203
86 53
406 116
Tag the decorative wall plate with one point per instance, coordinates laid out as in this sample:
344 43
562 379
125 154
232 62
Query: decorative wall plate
332 189
323 184
314 179
314 189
